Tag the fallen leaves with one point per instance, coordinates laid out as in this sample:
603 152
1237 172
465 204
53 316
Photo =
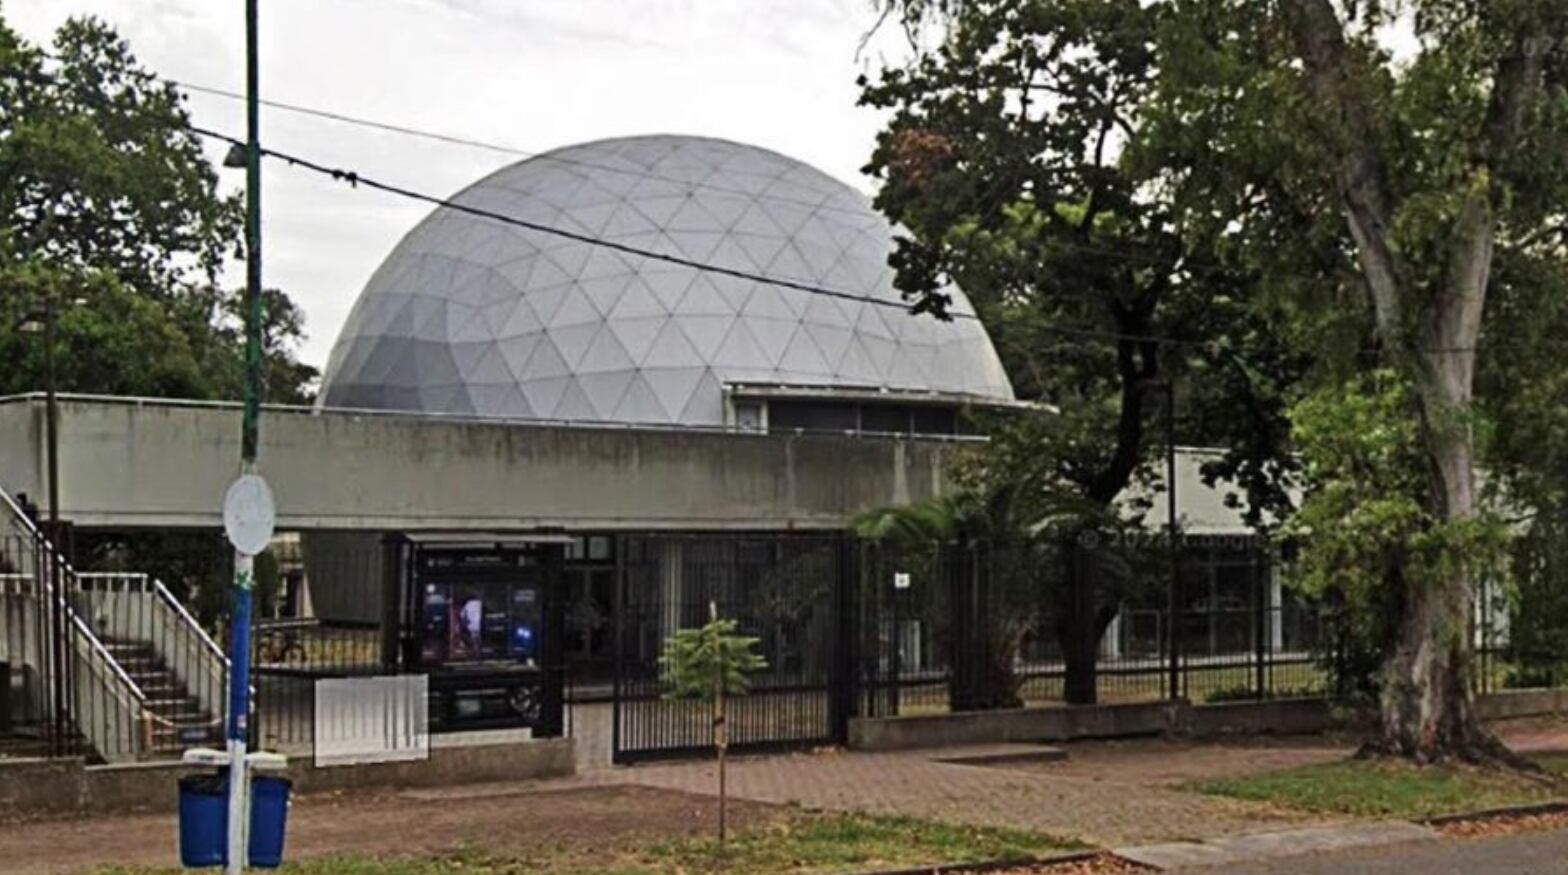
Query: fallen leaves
1504 824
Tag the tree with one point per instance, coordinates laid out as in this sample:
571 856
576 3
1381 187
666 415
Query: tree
107 198
1383 167
710 664
1040 546
1438 166
1018 159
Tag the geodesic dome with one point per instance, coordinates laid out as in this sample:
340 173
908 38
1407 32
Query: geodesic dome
472 315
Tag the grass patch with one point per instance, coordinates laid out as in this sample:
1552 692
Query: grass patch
1382 788
851 842
799 843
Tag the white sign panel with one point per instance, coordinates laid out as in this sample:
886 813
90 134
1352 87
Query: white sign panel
249 514
901 580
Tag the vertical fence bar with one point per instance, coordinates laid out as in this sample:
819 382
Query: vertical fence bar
1259 625
1174 596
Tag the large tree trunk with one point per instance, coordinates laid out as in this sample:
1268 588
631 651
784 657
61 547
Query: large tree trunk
1428 713
1428 705
1080 626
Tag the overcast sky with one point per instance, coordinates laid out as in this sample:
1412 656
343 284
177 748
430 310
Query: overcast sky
532 74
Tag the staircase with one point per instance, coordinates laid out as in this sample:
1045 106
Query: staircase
140 679
176 719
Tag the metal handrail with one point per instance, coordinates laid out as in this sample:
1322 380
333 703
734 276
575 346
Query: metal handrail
103 652
168 598
127 576
6 580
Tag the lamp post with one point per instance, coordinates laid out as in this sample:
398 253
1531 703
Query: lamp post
248 507
43 323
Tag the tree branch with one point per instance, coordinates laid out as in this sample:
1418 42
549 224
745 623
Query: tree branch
1360 174
1456 320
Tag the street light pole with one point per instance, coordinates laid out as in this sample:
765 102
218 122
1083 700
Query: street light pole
52 438
1173 593
244 562
51 418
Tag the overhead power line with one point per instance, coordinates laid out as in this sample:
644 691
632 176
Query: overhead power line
356 179
502 149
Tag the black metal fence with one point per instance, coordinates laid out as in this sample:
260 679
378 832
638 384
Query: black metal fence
116 669
956 627
786 591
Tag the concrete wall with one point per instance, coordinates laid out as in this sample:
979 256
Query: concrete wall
1021 725
1279 717
22 458
127 464
67 788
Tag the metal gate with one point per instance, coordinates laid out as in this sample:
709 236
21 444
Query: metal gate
787 591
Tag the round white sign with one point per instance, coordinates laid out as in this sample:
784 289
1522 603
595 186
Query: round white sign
249 514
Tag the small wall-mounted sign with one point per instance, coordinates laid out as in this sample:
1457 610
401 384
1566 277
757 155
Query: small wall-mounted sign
901 580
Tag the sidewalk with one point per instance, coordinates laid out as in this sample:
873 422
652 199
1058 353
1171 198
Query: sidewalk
1097 802
1112 793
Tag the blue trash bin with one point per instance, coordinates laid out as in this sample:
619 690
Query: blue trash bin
269 814
204 820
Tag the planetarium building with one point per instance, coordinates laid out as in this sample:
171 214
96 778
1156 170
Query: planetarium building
590 398
693 370
681 281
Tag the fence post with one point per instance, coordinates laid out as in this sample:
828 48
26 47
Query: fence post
1260 626
618 645
843 682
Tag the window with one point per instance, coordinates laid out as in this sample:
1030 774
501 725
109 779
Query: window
885 419
934 420
812 416
748 415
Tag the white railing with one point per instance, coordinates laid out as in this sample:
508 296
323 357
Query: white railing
489 419
372 720
110 710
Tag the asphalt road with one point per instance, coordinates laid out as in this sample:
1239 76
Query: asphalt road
1530 853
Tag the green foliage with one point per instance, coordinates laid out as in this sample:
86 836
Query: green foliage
696 663
1025 156
107 199
1366 521
1056 562
1365 530
1016 158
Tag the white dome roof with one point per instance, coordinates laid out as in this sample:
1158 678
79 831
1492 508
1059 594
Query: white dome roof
474 315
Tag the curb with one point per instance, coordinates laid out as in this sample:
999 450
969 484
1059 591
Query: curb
1494 814
992 865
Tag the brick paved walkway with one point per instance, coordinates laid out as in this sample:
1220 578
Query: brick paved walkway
1064 800
1107 792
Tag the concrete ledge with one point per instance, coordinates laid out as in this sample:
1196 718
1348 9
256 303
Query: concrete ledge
1279 716
69 788
1021 725
448 765
1521 703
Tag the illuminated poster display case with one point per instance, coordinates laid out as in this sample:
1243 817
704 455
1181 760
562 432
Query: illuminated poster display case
481 615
